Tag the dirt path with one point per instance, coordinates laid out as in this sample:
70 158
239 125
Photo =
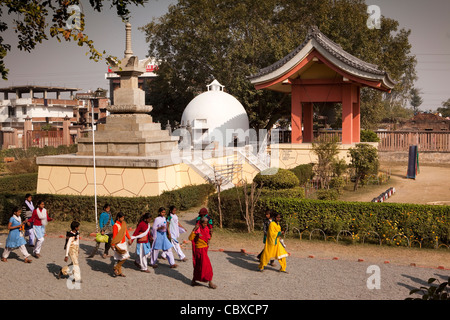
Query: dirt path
431 186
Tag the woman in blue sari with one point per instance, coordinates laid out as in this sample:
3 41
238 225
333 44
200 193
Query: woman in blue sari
16 237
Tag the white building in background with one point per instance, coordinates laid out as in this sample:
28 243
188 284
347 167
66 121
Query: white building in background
42 104
216 116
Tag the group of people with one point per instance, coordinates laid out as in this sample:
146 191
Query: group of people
151 240
27 221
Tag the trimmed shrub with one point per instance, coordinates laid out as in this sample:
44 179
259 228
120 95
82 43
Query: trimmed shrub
304 172
369 136
274 178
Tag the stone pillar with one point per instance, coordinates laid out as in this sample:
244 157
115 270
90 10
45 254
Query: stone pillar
128 51
66 131
296 115
27 127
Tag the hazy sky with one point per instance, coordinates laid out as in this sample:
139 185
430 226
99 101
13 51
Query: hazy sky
66 64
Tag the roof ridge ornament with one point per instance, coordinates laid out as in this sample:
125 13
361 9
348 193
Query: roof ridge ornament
215 86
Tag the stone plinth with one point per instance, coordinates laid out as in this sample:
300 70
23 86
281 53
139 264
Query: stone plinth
115 176
128 135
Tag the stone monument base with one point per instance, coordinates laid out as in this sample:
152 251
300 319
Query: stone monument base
128 135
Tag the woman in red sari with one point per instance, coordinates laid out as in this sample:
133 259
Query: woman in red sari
200 237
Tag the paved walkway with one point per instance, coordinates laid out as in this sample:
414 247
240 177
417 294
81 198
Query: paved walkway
235 274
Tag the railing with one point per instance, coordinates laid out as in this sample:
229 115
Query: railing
42 138
428 141
425 140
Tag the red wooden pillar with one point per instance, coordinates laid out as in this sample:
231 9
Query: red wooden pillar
296 115
357 116
347 114
308 112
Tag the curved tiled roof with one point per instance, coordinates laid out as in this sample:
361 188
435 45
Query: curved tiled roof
333 49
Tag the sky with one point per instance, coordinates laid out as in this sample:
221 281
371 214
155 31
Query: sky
66 64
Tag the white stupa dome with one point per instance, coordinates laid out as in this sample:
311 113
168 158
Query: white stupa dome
216 115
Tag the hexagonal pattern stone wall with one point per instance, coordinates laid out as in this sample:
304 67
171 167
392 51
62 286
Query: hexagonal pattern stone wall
120 182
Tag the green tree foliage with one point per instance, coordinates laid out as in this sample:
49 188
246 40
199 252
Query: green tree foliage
199 40
416 99
35 20
364 160
445 109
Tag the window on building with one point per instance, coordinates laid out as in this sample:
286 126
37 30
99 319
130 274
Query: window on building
24 111
11 111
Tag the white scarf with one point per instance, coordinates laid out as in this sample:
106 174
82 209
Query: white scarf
42 215
30 205
143 234
18 218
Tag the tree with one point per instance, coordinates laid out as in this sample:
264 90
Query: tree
198 40
445 109
416 99
364 160
35 20
326 152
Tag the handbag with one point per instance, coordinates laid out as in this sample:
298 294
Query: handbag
101 238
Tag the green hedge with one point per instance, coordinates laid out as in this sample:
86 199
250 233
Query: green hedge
32 152
426 223
82 208
415 222
19 183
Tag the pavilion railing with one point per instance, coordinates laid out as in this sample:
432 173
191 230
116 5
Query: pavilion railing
427 141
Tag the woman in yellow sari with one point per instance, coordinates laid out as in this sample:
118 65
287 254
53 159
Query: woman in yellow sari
273 248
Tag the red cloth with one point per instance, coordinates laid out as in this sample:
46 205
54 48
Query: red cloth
35 218
142 227
202 265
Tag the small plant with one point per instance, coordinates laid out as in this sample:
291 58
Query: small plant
369 136
364 160
440 292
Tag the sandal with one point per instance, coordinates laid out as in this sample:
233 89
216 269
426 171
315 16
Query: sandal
146 271
4 260
27 260
173 266
212 285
